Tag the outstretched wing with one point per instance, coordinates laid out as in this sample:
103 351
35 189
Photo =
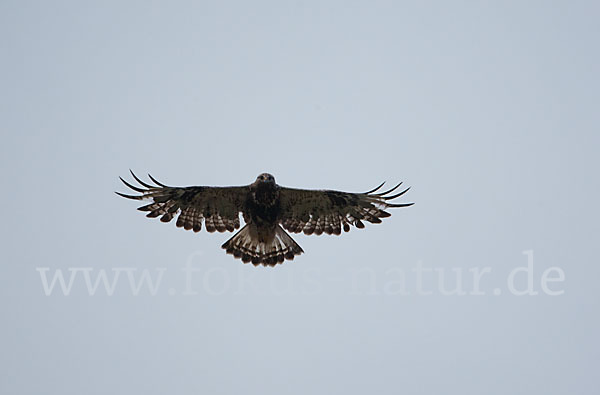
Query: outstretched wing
218 207
311 211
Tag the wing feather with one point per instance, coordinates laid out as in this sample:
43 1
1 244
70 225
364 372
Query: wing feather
324 211
217 207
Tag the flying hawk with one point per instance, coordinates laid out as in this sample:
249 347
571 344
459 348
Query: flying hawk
266 208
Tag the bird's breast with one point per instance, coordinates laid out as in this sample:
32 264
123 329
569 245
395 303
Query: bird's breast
263 206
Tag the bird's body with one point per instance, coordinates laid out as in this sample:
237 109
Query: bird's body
267 209
263 205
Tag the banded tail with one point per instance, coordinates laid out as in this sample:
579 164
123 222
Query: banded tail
266 250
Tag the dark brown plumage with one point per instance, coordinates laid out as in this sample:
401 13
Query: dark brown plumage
267 209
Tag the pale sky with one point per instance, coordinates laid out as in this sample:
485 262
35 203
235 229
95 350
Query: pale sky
488 111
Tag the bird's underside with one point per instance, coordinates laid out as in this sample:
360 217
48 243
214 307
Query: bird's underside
267 209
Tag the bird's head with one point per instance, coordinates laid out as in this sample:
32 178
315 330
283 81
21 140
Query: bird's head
266 178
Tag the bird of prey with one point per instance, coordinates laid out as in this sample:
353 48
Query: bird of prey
267 209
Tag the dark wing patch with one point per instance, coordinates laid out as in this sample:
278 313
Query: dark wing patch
217 207
329 212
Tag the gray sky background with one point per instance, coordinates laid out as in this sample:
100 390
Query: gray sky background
489 111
